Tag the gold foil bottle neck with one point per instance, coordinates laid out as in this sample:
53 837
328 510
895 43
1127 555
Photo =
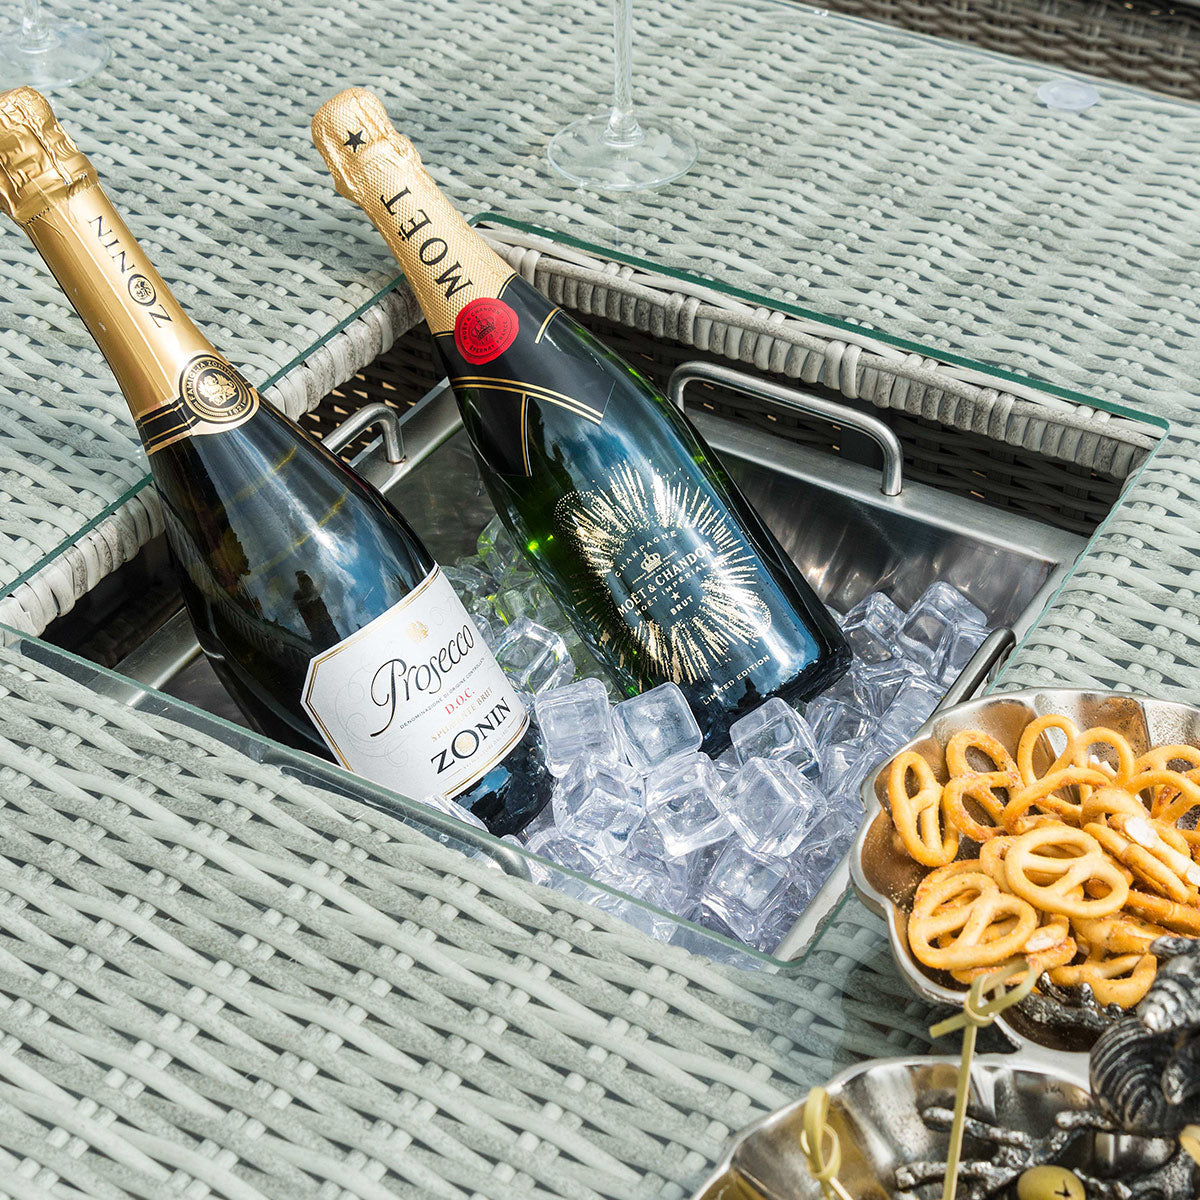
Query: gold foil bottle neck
446 262
39 164
349 131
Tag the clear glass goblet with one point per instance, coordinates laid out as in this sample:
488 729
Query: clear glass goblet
617 152
46 53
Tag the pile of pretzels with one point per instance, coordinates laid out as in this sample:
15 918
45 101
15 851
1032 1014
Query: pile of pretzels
1076 868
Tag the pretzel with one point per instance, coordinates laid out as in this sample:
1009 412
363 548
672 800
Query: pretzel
1107 802
982 789
975 739
1178 918
918 816
1175 795
1040 962
1040 794
1080 866
959 910
991 859
1135 842
1175 838
1191 839
1030 737
1122 980
1116 934
1079 746
1055 884
1159 758
1050 945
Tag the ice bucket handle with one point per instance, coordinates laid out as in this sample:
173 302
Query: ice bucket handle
796 401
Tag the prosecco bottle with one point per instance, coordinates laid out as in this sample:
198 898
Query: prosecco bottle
317 605
665 569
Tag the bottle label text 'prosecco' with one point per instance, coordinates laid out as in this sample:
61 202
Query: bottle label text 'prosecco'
414 700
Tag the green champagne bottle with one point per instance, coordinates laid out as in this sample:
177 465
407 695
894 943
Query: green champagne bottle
317 605
665 569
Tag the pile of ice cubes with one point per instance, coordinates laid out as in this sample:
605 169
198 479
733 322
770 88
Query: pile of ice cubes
740 843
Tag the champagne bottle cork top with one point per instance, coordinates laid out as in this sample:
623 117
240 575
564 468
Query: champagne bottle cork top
39 164
348 129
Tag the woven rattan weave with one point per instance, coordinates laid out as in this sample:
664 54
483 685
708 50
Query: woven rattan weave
217 982
1138 42
874 177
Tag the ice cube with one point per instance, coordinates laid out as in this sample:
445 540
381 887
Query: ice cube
469 579
876 685
490 630
681 801
544 820
529 600
776 920
635 877
599 804
656 726
714 922
775 730
561 852
516 577
836 721
671 882
533 657
496 548
845 765
452 808
728 764
940 610
742 886
871 627
957 647
910 708
574 718
767 805
655 924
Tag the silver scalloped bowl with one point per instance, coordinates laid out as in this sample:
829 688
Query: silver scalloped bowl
875 1109
885 877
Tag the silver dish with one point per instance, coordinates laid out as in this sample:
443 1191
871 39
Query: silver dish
885 877
875 1108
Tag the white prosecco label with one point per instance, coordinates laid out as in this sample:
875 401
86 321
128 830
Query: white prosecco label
415 700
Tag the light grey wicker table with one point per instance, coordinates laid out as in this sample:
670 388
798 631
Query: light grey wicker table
216 981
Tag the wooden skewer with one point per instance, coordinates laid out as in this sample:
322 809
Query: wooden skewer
976 1014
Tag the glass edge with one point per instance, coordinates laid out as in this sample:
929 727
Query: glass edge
91 523
342 324
128 494
904 37
762 301
386 801
1093 539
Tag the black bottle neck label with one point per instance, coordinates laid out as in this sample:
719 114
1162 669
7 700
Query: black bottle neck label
212 398
513 392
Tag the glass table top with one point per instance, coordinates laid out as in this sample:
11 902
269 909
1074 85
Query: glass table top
862 174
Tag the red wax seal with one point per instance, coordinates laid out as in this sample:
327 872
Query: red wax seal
485 329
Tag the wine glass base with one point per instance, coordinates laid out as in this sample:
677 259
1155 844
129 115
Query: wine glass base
69 53
585 155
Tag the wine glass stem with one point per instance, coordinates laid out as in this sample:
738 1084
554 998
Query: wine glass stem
623 129
34 34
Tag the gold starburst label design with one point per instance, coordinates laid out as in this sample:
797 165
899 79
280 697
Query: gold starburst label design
670 578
